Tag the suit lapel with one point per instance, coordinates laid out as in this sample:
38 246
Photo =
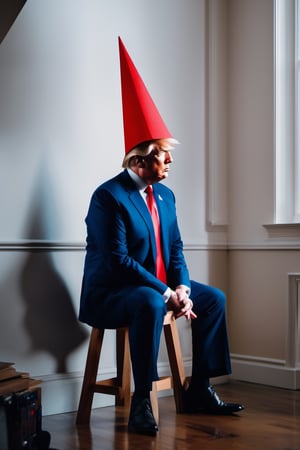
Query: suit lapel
161 206
136 200
140 205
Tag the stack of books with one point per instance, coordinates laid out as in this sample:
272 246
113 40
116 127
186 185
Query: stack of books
12 381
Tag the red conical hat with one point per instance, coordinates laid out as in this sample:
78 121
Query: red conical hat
141 119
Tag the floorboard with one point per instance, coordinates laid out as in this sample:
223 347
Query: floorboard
271 421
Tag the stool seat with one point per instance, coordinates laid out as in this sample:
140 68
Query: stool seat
120 386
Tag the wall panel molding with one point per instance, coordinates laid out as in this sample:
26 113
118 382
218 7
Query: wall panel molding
291 245
50 246
280 373
265 371
293 325
30 246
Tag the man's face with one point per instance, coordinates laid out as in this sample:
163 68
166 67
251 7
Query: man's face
157 166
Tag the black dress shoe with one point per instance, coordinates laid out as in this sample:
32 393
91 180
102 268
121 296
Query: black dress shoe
141 418
208 401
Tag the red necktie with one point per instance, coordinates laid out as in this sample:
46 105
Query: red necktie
160 265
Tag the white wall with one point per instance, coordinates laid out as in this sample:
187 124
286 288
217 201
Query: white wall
61 135
61 123
263 294
251 109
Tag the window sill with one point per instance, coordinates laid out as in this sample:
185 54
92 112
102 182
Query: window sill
279 230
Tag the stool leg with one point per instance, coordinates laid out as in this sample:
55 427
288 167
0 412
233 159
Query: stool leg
90 376
176 362
123 367
154 402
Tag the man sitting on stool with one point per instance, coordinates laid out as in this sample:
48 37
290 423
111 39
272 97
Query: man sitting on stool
135 268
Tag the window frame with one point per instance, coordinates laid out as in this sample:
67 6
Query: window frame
297 109
287 172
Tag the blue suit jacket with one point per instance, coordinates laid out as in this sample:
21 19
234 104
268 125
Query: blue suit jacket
120 252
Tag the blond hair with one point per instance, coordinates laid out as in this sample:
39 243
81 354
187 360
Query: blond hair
145 148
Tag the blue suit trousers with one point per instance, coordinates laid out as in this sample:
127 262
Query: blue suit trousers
143 309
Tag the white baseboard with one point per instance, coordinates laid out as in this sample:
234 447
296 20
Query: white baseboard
61 393
266 372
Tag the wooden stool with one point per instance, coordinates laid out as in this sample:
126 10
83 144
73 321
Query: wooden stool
120 386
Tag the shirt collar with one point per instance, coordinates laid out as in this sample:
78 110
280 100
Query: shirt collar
140 183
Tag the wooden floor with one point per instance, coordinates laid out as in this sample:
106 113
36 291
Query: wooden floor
271 421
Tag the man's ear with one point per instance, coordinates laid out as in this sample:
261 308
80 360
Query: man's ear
140 162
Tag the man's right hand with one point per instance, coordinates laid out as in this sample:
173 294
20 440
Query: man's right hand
181 307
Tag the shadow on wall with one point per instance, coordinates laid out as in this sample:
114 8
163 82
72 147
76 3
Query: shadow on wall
49 318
